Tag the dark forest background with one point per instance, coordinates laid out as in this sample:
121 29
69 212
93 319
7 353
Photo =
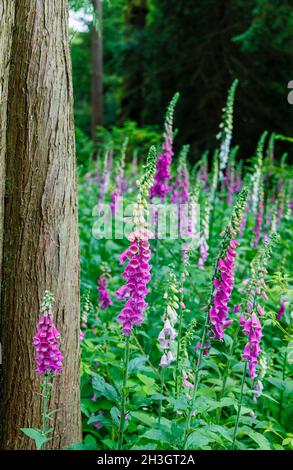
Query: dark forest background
153 48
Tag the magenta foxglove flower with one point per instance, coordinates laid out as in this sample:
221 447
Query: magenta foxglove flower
137 275
104 297
206 348
187 380
137 272
252 328
160 187
46 340
281 310
223 285
203 253
250 322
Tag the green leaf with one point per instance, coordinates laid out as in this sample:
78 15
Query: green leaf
90 441
197 439
157 435
145 418
107 390
37 435
115 415
137 364
262 441
222 403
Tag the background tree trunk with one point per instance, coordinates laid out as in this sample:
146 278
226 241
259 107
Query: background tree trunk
134 60
40 230
97 69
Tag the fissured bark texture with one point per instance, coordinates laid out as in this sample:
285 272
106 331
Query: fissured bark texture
6 24
40 227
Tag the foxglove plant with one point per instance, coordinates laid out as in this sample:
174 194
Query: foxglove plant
222 284
203 169
257 174
256 288
104 178
160 187
258 387
250 321
104 299
226 128
231 175
204 235
215 176
259 217
121 185
271 147
49 364
84 318
223 280
168 333
281 310
136 274
181 189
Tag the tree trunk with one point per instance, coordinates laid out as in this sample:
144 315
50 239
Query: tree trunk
6 21
97 70
40 229
134 60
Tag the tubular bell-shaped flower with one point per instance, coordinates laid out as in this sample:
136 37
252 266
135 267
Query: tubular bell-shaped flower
180 193
104 296
223 280
161 181
226 128
46 340
84 318
137 272
256 288
168 334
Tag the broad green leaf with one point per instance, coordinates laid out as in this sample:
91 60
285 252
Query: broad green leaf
107 390
37 435
137 364
115 416
262 441
157 435
197 439
145 418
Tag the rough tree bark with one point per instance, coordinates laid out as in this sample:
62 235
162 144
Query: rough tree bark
40 228
6 23
97 70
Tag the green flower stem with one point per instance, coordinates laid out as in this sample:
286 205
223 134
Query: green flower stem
45 396
177 369
123 394
239 406
162 391
226 372
196 380
282 390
